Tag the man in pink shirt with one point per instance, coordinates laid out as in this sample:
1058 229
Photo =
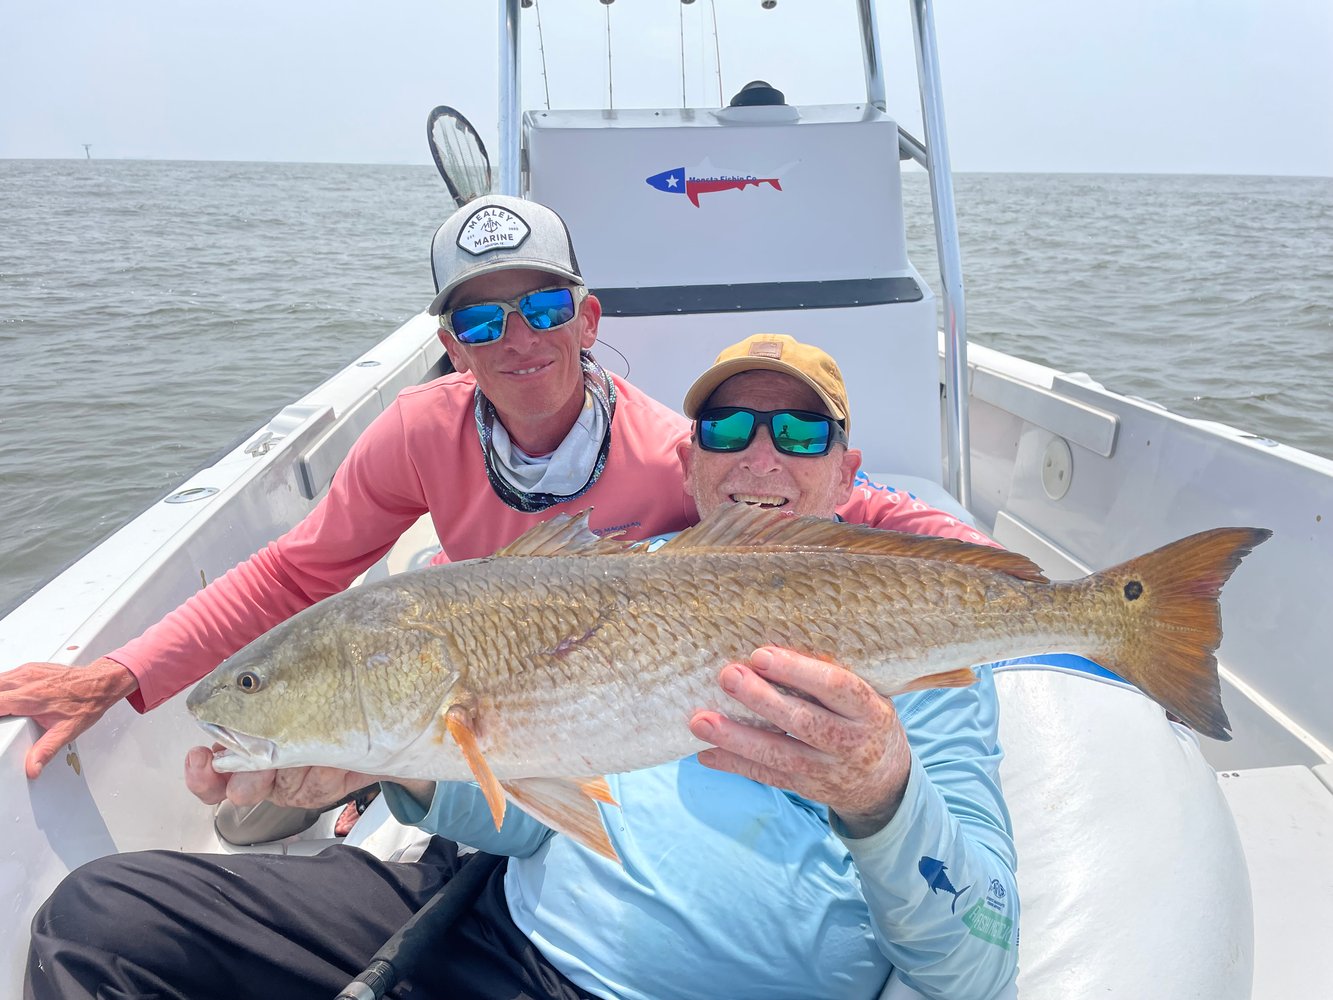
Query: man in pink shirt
528 425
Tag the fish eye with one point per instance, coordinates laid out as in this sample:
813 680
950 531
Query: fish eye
249 682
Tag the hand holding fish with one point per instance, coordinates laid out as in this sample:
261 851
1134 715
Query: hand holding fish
846 748
299 787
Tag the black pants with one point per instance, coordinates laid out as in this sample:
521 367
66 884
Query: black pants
171 926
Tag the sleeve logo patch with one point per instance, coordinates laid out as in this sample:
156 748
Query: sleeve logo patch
988 925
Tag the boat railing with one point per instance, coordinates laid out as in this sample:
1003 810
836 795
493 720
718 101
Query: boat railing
933 155
958 477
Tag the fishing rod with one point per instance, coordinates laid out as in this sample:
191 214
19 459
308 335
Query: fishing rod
399 955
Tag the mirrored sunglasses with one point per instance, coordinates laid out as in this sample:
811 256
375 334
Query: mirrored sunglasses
484 322
793 432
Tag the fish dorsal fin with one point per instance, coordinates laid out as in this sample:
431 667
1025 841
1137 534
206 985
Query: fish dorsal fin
740 527
565 535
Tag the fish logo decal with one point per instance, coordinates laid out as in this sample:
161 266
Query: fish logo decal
677 182
933 872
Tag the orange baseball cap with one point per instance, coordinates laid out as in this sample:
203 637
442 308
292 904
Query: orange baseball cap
775 352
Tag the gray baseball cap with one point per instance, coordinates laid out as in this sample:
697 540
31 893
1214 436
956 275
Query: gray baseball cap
494 233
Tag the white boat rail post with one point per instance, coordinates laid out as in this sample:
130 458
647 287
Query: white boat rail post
510 101
873 64
870 55
958 471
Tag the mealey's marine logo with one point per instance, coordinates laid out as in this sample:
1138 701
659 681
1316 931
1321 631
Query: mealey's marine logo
676 182
492 228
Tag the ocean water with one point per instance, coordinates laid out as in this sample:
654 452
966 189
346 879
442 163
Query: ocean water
153 313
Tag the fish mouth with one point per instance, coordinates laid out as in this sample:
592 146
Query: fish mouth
766 501
237 745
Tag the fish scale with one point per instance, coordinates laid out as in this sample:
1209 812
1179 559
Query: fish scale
664 642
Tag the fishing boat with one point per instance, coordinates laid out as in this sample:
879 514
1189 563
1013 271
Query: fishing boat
1153 863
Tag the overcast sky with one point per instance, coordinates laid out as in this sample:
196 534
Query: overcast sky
1152 86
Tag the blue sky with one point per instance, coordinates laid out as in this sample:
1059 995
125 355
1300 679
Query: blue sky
1173 86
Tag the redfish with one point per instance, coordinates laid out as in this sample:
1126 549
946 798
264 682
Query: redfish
565 657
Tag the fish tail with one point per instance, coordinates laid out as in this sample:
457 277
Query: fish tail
1171 595
953 907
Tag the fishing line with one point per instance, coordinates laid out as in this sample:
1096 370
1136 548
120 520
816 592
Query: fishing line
541 47
610 77
612 347
717 52
681 8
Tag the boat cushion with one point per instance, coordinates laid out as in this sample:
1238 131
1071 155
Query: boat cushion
1131 872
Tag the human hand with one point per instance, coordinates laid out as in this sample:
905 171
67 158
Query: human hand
65 701
846 748
300 787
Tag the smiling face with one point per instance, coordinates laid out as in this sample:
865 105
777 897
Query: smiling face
534 379
761 474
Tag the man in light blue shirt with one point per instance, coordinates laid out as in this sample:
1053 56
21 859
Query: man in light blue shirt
864 835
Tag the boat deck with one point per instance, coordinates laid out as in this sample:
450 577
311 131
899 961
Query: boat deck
1285 815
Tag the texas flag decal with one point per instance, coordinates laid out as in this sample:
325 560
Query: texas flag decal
675 182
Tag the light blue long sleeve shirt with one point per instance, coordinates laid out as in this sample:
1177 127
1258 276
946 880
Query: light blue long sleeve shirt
731 888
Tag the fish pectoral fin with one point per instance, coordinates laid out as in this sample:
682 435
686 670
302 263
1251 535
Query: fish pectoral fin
960 678
459 723
567 806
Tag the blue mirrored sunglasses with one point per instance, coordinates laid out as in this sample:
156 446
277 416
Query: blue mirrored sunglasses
484 322
794 432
